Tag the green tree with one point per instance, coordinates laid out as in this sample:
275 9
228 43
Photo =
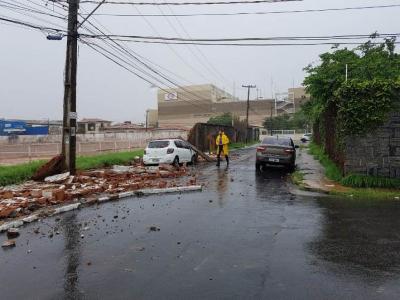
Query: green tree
225 119
296 121
369 61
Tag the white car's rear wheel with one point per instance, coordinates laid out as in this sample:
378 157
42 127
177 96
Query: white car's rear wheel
176 161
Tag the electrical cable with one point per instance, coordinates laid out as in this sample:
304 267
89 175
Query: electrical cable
188 3
209 65
250 44
180 57
280 38
30 25
255 13
146 65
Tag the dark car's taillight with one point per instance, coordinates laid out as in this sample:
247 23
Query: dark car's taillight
170 150
289 151
261 148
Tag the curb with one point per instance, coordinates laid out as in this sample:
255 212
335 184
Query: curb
83 203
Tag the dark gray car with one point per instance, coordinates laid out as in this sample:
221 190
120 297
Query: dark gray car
276 150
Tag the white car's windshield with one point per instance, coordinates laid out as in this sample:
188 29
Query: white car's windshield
158 144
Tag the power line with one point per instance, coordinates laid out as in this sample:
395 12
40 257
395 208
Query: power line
42 28
30 9
30 25
172 49
189 3
27 14
254 13
234 39
251 44
188 47
129 53
208 63
109 55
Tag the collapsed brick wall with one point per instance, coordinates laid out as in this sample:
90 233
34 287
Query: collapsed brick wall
203 135
377 153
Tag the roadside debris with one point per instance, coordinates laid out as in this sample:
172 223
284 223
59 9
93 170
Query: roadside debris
52 167
12 233
154 228
108 184
57 178
8 244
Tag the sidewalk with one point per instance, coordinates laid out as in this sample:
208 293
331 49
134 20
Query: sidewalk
313 173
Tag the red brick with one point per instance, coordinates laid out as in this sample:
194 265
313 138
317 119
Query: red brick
6 212
59 195
8 195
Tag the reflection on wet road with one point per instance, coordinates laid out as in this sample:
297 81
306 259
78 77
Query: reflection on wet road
245 237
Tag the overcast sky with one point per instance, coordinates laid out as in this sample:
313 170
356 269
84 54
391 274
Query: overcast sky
31 67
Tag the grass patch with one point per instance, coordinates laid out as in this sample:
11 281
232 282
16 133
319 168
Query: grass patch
369 193
18 173
363 181
354 181
297 178
22 172
331 170
106 160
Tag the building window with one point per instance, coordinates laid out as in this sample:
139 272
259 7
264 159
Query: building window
92 127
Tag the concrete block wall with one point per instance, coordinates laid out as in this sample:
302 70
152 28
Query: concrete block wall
140 136
377 153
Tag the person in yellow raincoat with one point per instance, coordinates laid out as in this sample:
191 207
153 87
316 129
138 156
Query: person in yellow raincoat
222 142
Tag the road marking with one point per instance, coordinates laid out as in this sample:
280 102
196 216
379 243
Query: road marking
201 264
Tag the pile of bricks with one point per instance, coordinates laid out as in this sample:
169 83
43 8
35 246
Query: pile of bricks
22 200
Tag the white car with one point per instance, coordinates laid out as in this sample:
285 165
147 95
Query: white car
306 137
169 151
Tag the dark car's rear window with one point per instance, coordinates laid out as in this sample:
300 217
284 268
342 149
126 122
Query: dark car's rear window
277 141
158 144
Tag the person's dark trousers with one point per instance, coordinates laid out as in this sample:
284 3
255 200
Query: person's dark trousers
220 150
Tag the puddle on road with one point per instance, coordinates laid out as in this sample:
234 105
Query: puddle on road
359 237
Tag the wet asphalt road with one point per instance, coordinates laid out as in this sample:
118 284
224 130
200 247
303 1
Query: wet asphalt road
246 236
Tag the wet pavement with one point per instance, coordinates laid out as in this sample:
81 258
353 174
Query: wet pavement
244 237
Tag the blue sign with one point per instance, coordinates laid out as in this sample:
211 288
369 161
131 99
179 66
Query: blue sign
8 128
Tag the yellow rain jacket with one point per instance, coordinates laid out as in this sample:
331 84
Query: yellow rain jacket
225 142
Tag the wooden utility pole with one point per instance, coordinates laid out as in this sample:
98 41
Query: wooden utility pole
69 113
248 107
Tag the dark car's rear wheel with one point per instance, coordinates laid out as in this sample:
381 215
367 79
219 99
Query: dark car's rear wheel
291 167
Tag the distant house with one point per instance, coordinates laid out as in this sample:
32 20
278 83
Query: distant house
125 126
92 125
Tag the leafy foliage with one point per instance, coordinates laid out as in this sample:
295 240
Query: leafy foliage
226 119
298 120
365 105
371 89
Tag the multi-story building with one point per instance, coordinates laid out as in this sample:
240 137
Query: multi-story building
186 106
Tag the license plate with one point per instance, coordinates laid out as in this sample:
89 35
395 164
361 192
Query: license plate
274 160
156 159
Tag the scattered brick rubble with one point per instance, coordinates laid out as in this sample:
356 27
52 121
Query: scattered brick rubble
24 199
